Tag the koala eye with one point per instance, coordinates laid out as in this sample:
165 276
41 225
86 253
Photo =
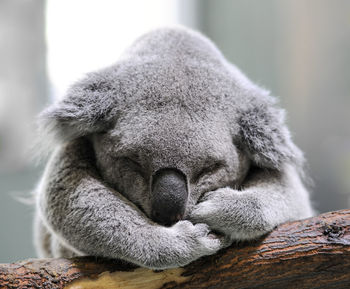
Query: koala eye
136 166
102 132
208 170
132 161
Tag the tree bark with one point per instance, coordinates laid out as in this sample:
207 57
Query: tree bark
311 253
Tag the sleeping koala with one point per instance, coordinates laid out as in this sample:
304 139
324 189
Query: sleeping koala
166 156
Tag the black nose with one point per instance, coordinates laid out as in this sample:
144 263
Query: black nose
168 196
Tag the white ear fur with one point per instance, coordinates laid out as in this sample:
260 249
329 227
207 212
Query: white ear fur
86 108
266 137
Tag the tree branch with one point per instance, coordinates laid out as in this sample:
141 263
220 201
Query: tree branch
311 253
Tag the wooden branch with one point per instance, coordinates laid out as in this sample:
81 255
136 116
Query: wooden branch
312 253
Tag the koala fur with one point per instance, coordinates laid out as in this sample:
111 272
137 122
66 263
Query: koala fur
172 102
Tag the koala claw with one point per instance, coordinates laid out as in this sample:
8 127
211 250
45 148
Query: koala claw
183 243
198 234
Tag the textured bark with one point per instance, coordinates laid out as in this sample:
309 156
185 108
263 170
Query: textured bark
311 253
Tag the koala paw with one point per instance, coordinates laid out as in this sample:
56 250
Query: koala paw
183 243
231 213
209 212
198 237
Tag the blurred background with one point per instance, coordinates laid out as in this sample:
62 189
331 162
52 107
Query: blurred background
297 49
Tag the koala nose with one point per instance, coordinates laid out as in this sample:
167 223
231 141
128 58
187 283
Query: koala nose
169 195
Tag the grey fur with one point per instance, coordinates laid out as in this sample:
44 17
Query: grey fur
171 101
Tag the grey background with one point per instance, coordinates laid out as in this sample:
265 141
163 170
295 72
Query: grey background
298 49
23 93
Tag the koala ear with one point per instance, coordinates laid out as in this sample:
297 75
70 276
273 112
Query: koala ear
86 108
266 136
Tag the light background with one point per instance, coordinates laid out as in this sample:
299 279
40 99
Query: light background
298 49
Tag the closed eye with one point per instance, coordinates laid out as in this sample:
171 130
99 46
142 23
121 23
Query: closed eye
136 166
208 170
131 160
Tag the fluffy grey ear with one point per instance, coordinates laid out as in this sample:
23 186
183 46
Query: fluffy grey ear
266 136
86 108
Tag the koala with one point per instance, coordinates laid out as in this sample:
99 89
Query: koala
166 156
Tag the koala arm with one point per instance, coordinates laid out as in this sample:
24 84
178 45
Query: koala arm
267 198
87 215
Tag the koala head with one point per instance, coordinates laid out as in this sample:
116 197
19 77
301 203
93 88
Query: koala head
164 161
172 120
